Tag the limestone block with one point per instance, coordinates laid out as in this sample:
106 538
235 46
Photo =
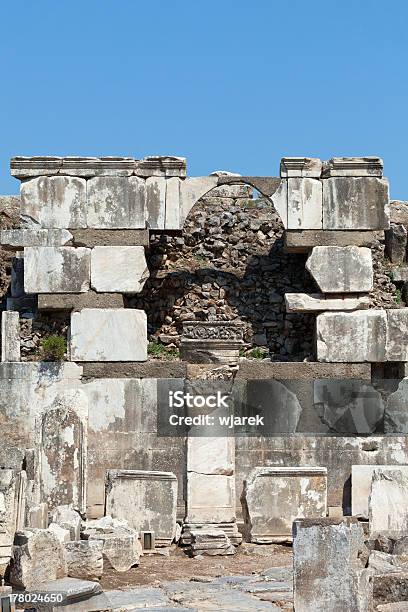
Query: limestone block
396 410
8 500
400 274
108 335
328 574
161 165
361 479
302 241
192 189
10 336
121 548
396 243
355 203
84 559
38 556
37 516
317 302
341 269
300 166
56 269
274 497
147 500
97 166
115 202
210 455
353 166
63 535
172 220
78 301
68 518
210 498
54 202
304 203
15 239
118 269
398 211
110 237
354 337
156 202
397 334
388 503
280 202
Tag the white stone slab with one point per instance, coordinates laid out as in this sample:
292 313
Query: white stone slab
317 302
353 337
276 496
10 336
116 202
353 166
137 202
20 238
173 203
108 335
280 202
210 498
211 455
56 269
388 503
300 166
338 269
192 189
156 202
305 198
361 478
118 269
54 202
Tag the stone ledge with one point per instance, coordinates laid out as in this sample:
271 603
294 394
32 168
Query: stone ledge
77 301
303 241
261 370
107 237
148 369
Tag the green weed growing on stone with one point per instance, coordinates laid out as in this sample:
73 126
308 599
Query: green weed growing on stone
53 348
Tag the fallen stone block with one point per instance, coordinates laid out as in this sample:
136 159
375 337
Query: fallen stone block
67 518
275 496
354 337
355 203
17 239
10 336
317 302
108 335
305 197
147 500
121 547
388 503
84 559
300 167
210 542
118 269
116 202
353 166
38 556
56 269
391 588
54 202
341 269
328 574
396 243
361 479
62 534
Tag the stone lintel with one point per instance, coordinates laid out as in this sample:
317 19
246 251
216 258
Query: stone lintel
255 370
107 237
148 369
300 166
161 165
353 166
138 475
77 301
303 241
319 302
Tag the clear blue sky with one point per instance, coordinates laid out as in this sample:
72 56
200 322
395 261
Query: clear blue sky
229 84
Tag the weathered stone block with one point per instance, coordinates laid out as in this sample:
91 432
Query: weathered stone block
118 269
280 202
361 479
192 189
305 197
398 211
121 547
397 334
54 202
300 166
110 237
210 455
328 574
38 556
10 336
156 202
147 500
352 337
78 301
303 241
388 503
353 166
8 499
63 535
210 498
84 559
15 239
211 341
275 496
67 518
56 269
161 165
396 243
317 302
355 203
341 269
396 410
108 335
115 202
172 219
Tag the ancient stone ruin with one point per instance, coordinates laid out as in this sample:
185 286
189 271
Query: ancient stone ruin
199 367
